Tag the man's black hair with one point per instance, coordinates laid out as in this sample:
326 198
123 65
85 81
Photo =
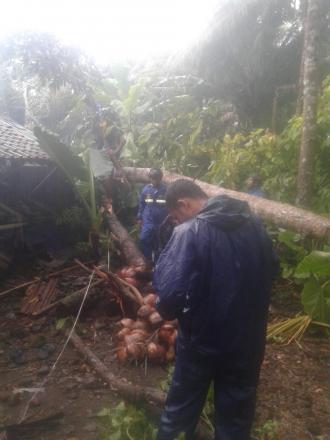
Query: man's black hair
256 179
183 188
155 173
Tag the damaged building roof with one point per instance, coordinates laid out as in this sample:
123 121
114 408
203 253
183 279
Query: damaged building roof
17 142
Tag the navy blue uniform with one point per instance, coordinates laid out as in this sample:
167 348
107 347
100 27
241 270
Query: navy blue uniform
257 191
152 212
215 277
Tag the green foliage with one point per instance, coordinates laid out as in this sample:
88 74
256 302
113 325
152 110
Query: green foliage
165 125
317 263
291 251
42 55
275 158
268 431
74 170
125 422
61 323
315 270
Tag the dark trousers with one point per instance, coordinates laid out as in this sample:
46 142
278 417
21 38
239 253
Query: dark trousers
147 242
235 383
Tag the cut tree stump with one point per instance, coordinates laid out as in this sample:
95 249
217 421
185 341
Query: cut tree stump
280 214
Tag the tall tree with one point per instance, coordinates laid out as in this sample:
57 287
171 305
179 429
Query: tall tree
251 48
310 95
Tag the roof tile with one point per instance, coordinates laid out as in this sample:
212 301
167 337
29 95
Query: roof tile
17 142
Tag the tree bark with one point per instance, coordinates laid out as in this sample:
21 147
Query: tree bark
127 245
299 104
280 214
310 93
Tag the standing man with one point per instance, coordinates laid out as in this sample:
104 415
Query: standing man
215 277
152 211
253 186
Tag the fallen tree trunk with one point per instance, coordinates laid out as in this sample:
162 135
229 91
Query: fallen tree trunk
133 393
280 214
127 245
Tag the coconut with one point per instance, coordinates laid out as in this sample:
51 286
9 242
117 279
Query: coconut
164 335
137 336
168 327
123 332
140 325
121 353
173 323
145 311
173 337
132 281
170 354
126 272
155 319
141 333
136 350
150 299
127 322
156 353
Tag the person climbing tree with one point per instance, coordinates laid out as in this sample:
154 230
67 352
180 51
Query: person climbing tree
152 212
215 277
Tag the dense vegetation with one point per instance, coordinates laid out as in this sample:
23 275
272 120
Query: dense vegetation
229 108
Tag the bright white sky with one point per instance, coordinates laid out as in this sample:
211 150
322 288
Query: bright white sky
111 30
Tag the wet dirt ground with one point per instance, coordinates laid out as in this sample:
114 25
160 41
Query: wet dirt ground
294 391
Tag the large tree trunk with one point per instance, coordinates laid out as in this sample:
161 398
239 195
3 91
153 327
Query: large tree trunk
127 245
310 93
280 214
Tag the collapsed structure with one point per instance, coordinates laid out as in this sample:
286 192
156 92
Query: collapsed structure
31 188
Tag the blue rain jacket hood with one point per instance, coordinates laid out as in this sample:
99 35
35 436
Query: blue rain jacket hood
215 276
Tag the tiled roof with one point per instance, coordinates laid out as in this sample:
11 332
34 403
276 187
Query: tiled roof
17 142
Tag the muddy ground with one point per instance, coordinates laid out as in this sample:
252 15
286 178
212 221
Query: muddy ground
294 392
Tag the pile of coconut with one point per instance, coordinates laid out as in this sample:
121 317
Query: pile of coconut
148 337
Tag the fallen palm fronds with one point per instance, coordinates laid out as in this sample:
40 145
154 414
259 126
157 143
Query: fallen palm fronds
291 329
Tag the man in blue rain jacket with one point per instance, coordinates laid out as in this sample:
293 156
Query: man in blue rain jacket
215 277
152 212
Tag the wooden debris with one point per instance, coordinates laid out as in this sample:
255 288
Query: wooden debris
37 279
69 299
38 296
124 288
